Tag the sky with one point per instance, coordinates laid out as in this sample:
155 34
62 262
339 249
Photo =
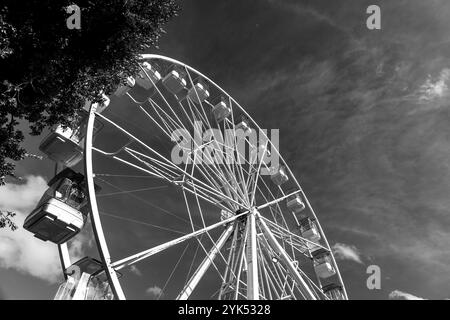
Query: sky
363 119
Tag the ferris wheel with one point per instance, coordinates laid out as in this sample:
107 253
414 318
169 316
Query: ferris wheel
220 213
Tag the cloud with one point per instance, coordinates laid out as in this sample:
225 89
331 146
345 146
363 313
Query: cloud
154 291
346 252
19 250
136 271
22 197
400 295
435 88
302 10
80 243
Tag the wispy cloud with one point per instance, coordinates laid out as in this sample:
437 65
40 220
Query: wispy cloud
19 250
346 252
400 295
136 271
435 88
154 291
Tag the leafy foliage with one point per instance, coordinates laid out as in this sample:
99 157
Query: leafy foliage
6 221
48 70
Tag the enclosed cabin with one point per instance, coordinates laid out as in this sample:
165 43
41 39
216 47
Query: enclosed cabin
148 76
146 81
62 211
86 280
175 80
130 82
143 86
199 92
259 153
278 175
244 125
64 145
309 231
295 204
334 291
323 264
221 109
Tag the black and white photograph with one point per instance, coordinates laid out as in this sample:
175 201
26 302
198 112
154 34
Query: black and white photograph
204 150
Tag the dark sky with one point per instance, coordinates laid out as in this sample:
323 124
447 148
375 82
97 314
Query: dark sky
363 119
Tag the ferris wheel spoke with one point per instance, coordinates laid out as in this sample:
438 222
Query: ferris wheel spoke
230 260
167 131
123 161
214 185
218 196
204 196
126 262
274 212
199 240
278 200
222 184
255 183
283 220
273 265
239 265
230 285
279 212
205 264
231 125
103 213
176 123
230 172
130 191
203 221
261 275
163 159
285 258
195 113
121 175
209 178
295 246
159 166
145 201
198 98
188 275
222 173
271 271
160 95
293 235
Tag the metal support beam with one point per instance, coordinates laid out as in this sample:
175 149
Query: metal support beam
63 250
204 266
64 257
149 252
95 217
252 259
286 260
